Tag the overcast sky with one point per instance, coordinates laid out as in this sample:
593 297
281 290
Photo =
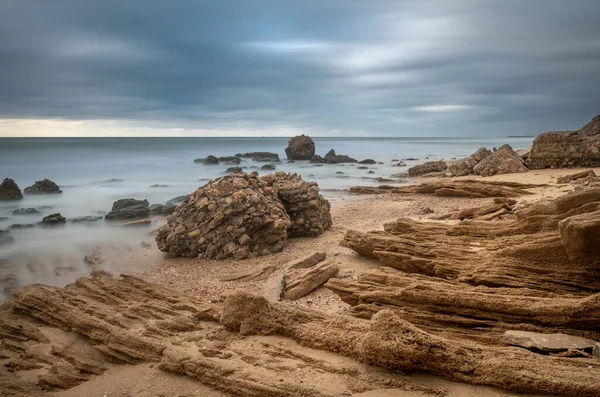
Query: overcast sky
259 67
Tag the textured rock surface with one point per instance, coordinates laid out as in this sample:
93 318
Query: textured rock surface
129 208
567 148
332 158
427 168
235 216
465 166
309 280
300 147
306 261
159 209
503 160
580 237
54 219
9 190
547 342
45 186
309 211
576 176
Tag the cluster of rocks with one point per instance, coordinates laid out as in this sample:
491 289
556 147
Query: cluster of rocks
242 216
567 148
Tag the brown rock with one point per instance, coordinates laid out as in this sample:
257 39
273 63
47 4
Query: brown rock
9 190
310 280
306 261
504 160
580 237
574 177
547 342
465 166
427 168
567 148
301 147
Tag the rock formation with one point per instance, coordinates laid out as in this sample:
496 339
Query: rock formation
367 161
465 166
25 211
43 187
567 148
54 219
210 160
300 147
265 157
332 158
308 210
159 209
427 168
268 167
503 160
9 190
128 209
317 159
235 216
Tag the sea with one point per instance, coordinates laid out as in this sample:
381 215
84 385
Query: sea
95 172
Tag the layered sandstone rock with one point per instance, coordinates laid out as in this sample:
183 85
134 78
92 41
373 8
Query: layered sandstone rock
236 216
503 160
45 186
567 148
300 147
9 190
309 211
465 166
427 168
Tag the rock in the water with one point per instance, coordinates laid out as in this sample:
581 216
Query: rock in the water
265 157
5 237
567 148
159 209
158 185
43 187
235 216
9 190
268 167
129 208
25 211
317 159
550 343
21 226
367 161
427 168
308 210
210 160
301 147
176 200
86 219
580 237
54 219
231 160
465 166
234 170
504 160
332 158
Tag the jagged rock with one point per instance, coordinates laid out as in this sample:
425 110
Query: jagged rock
45 186
25 211
265 157
426 168
159 209
367 161
503 160
308 210
300 147
309 280
545 342
268 167
567 148
9 190
465 166
129 208
574 177
54 219
234 170
317 159
332 158
86 219
306 261
235 216
5 237
176 200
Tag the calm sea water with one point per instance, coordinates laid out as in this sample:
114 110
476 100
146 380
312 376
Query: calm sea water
81 166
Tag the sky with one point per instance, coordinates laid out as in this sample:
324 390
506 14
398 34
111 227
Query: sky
281 68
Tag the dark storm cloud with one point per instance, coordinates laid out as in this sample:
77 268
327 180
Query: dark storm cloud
435 67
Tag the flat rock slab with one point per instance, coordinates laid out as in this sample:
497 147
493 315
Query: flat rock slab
547 342
310 280
306 261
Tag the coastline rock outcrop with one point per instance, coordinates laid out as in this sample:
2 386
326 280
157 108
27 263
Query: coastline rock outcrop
235 216
45 186
9 190
427 168
465 166
309 211
129 209
564 149
332 158
503 160
300 147
317 159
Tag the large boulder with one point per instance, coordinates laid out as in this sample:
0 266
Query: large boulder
580 237
427 168
465 166
9 190
300 147
237 216
567 148
43 187
503 160
332 158
308 210
129 208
